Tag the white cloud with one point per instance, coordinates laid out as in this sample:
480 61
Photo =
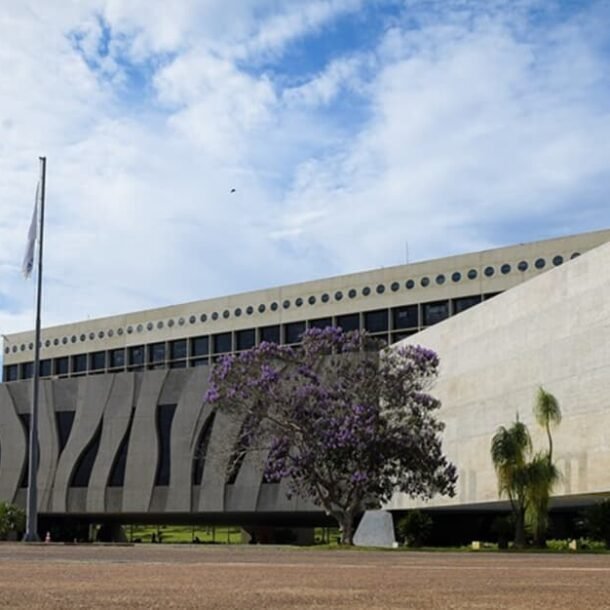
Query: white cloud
464 125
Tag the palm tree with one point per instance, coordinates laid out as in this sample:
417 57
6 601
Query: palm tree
510 448
547 413
542 476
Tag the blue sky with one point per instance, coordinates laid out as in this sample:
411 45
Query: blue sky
347 128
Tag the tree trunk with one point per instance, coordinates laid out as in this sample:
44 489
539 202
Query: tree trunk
520 529
346 523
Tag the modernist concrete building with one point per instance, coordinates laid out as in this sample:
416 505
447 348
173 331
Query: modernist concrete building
125 434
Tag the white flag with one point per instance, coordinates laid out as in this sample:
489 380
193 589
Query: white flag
28 259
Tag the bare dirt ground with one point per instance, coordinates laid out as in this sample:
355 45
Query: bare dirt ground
185 576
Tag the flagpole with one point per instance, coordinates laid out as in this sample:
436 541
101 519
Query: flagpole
31 528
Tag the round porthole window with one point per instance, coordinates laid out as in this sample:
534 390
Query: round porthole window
203 317
395 287
226 314
489 271
160 323
192 319
540 263
286 304
425 281
366 291
380 289
249 310
92 335
101 334
456 276
352 293
120 331
299 302
440 279
111 333
274 306
214 315
575 255
410 284
557 260
149 326
261 308
338 295
522 266
129 330
472 274
325 297
73 338
505 268
64 340
237 312
311 300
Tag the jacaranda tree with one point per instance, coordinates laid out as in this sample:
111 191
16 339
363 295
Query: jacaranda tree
341 422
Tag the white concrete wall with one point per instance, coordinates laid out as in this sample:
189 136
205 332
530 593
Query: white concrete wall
554 331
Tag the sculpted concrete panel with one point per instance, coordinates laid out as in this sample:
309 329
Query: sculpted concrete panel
49 450
92 396
143 449
13 446
184 436
115 424
554 331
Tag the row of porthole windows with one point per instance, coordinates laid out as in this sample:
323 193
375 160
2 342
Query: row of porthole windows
440 279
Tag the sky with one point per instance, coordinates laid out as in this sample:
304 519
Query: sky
198 148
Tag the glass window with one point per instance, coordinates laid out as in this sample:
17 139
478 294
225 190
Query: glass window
294 331
456 276
222 343
286 303
156 352
249 310
215 315
84 465
179 364
350 321
464 303
338 295
45 367
352 293
79 363
395 286
165 417
64 420
380 289
200 346
472 274
425 281
237 312
575 255
117 358
261 308
245 339
366 291
199 362
274 306
557 260
60 366
410 284
311 300
505 268
321 323
27 370
440 279
405 317
270 334
376 321
403 335
522 266
435 312
540 263
136 355
10 372
299 302
489 271
97 361
203 317
177 349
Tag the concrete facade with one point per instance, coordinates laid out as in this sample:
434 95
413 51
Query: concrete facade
552 331
106 451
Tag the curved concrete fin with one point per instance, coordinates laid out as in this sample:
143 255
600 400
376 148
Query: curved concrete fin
225 433
248 483
92 396
49 450
13 446
142 455
182 444
114 427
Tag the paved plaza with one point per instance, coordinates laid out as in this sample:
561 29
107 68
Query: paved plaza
190 576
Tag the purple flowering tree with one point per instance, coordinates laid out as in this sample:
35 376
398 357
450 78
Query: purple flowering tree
343 421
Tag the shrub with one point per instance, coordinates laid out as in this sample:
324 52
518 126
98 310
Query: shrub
12 519
414 528
597 522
